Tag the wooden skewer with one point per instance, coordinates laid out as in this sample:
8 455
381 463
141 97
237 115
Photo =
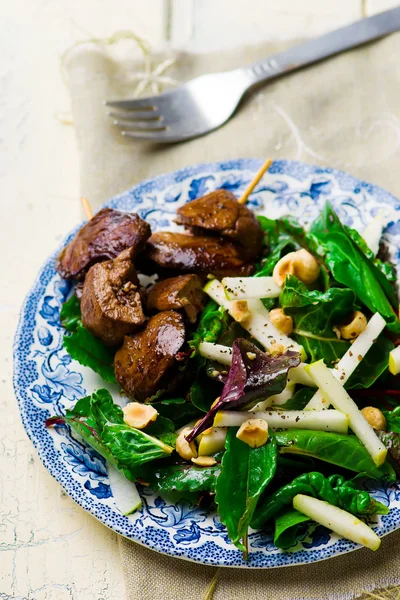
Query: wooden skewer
87 208
253 182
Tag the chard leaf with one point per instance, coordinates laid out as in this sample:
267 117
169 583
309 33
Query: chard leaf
100 422
245 474
132 447
253 375
352 268
287 528
345 451
333 489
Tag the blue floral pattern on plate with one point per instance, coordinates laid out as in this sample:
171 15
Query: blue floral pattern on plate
47 381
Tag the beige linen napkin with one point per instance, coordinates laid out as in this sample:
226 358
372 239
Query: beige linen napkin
343 113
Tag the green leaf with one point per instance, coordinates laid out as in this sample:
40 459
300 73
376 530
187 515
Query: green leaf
245 474
70 315
82 346
352 268
182 477
287 527
299 400
279 241
178 410
314 315
100 422
213 322
372 366
104 409
392 419
388 270
334 489
338 449
204 391
132 447
163 429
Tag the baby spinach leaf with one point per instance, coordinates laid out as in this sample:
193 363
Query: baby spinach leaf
300 399
372 366
178 410
287 528
253 375
278 239
204 391
334 489
352 268
88 350
245 474
70 315
392 419
181 476
213 322
386 268
338 449
314 315
82 346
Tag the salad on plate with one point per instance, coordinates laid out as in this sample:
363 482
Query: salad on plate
247 362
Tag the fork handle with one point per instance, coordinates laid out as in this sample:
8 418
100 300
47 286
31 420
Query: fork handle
329 44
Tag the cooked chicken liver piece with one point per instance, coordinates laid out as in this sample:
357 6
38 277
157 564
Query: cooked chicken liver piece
144 358
182 292
111 303
219 212
197 254
105 236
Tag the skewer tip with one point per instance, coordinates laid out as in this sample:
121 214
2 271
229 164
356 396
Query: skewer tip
255 180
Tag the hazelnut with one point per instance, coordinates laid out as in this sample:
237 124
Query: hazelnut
183 448
204 461
240 310
253 432
283 323
374 417
301 264
276 349
139 415
358 323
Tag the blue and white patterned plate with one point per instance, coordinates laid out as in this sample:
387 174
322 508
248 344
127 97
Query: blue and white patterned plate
47 381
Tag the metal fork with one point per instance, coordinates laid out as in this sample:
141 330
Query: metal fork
207 102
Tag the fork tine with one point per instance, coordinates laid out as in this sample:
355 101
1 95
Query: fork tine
141 125
135 115
137 104
151 136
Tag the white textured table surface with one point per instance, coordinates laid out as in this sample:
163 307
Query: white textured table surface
50 548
